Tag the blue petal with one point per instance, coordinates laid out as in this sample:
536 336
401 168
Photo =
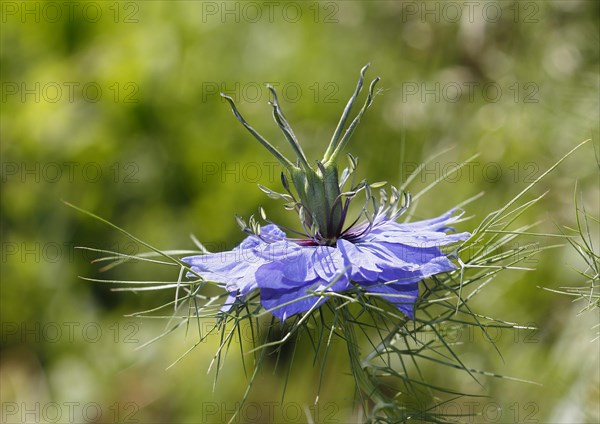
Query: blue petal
235 268
422 238
423 261
290 278
272 233
394 257
440 223
402 294
292 258
365 261
229 302
284 297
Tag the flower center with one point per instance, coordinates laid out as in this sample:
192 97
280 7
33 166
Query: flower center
318 196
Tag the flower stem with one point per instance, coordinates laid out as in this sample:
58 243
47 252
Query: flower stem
364 381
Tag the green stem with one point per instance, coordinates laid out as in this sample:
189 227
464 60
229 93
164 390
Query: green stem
364 382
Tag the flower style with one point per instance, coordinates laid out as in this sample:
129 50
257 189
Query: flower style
372 253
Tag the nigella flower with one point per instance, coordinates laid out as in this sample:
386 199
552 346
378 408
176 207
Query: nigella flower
333 253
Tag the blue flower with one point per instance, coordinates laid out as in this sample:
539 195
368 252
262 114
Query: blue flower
387 260
334 253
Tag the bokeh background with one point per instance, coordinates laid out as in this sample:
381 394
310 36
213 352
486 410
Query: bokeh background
114 107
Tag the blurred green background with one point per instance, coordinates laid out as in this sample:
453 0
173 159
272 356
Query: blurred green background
114 107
